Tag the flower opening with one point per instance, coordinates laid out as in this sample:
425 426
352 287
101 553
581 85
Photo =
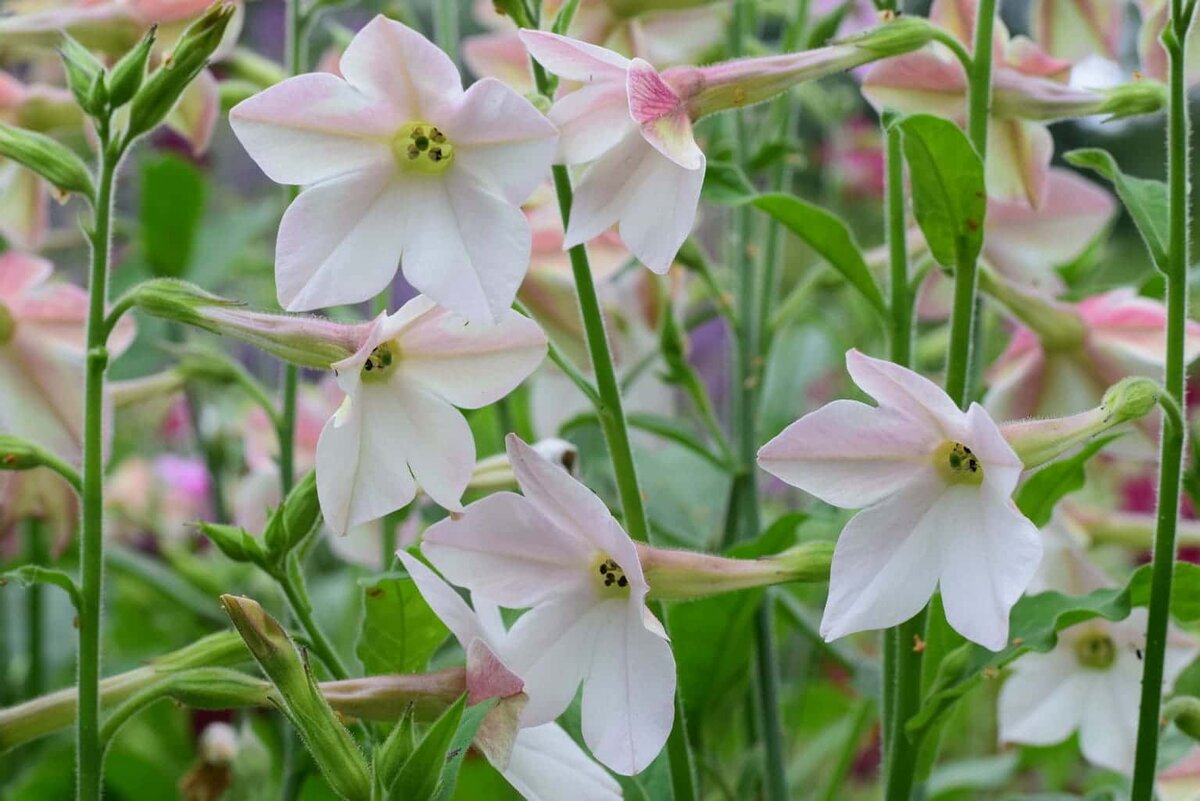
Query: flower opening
1096 651
611 574
958 464
422 147
381 361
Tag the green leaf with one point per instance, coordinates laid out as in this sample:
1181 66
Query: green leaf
1034 625
28 575
949 194
830 237
295 518
399 631
725 184
1042 491
390 757
421 775
1145 199
172 205
468 727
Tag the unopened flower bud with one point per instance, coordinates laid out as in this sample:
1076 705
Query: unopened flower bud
19 454
48 158
495 471
295 519
684 576
127 74
82 69
300 339
389 697
234 542
894 37
1133 99
1130 399
1184 712
219 688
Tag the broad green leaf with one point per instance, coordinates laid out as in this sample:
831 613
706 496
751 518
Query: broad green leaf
830 237
1145 199
1042 491
949 194
725 184
399 630
1034 625
172 205
422 774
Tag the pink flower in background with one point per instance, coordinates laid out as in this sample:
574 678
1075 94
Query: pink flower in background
401 166
42 336
557 549
398 427
935 486
1029 90
1122 335
1075 29
160 496
1181 781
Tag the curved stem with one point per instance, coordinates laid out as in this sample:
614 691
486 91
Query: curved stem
1173 435
91 542
291 580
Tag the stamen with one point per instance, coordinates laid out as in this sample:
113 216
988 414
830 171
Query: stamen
957 463
380 361
612 574
1096 650
422 147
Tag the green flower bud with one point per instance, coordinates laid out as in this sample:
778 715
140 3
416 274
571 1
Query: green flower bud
894 37
295 518
1184 712
1133 99
1130 399
48 158
128 73
82 69
236 543
19 454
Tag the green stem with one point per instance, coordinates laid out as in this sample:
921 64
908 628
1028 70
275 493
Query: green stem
858 727
91 541
1173 435
445 28
35 549
291 580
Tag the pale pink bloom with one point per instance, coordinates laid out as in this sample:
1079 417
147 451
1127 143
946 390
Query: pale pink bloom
1122 335
400 165
1029 90
544 758
160 496
1075 29
633 126
398 427
42 362
558 550
1181 781
1150 50
935 486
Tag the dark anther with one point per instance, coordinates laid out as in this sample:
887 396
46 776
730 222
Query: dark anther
622 581
413 151
418 131
369 366
437 136
603 570
436 154
608 580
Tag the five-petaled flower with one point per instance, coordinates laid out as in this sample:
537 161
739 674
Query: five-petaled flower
400 165
397 427
558 551
934 484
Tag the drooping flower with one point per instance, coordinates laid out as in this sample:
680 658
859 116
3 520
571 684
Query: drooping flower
934 485
397 427
1029 90
543 757
400 165
633 126
558 550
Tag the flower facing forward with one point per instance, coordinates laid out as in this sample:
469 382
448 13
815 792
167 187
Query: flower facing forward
400 165
544 758
397 427
934 484
558 550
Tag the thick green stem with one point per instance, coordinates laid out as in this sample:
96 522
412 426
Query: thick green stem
35 552
1173 435
91 541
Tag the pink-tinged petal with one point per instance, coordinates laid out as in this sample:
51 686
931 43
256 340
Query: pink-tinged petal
1025 244
395 66
1133 328
19 273
921 81
653 199
487 676
500 137
591 121
437 441
469 365
629 693
990 553
55 314
24 206
550 647
1024 56
340 241
575 60
851 455
885 564
43 396
957 17
1073 29
1002 467
1018 161
1044 699
501 55
362 473
444 600
682 36
465 247
1015 380
574 509
505 551
314 127
545 760
908 392
195 115
662 116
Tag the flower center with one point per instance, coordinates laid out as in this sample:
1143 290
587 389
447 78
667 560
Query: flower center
611 575
1096 651
380 362
422 147
8 325
957 464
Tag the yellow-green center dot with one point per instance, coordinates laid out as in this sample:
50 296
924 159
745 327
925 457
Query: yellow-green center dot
958 464
1096 650
422 147
380 362
612 575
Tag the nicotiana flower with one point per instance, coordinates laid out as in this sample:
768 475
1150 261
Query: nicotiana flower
544 758
401 165
934 484
397 427
159 497
633 126
1075 29
557 549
